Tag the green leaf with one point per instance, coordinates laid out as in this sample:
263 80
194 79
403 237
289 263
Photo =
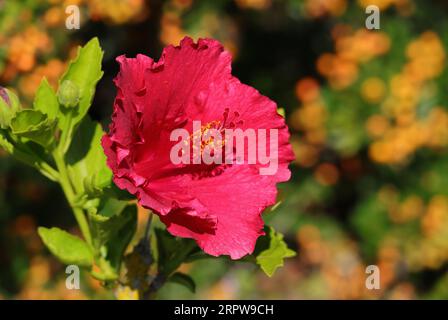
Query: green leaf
281 111
35 126
196 255
46 100
66 247
112 230
118 242
272 257
114 192
183 279
108 221
172 251
86 159
29 153
85 72
96 183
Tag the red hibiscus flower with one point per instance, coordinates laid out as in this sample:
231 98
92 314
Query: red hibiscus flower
218 205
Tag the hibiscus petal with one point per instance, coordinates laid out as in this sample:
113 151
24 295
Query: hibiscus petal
236 198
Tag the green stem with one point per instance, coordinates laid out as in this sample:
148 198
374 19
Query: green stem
148 226
48 171
64 142
64 180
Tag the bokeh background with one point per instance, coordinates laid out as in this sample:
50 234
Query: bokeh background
368 113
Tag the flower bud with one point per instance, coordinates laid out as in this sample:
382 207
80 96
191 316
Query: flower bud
4 96
9 105
68 94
